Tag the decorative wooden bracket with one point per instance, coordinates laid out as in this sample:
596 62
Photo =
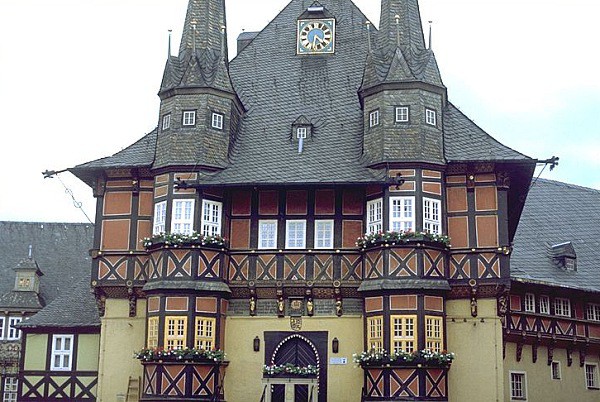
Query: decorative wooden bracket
132 302
473 285
280 303
550 355
534 352
519 351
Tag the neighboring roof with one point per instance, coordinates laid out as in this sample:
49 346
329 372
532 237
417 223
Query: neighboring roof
464 141
74 308
21 301
556 213
61 251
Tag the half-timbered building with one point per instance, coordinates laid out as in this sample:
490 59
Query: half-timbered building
316 197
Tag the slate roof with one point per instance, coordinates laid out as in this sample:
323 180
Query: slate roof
276 87
556 213
73 308
466 141
60 250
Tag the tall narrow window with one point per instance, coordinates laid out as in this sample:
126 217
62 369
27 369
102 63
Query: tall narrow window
530 302
217 121
152 332
375 333
62 352
182 219
593 312
323 234
402 114
591 376
211 217
295 237
432 217
518 386
189 118
404 330
562 307
2 321
402 214
175 332
375 216
267 234
166 122
434 333
13 333
374 118
544 304
205 333
160 217
10 389
301 133
430 117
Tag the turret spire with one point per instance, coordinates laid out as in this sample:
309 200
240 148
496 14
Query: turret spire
202 29
401 24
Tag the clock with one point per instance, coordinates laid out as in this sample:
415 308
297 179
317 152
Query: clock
316 36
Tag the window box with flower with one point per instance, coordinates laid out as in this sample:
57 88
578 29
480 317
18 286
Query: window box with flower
393 238
180 355
290 370
184 240
420 358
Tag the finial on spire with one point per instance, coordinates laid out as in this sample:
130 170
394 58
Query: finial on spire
430 22
194 36
397 18
223 41
169 49
368 24
30 251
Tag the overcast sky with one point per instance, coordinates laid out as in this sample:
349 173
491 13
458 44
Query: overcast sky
78 81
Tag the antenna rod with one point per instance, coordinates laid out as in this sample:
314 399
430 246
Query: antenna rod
430 36
368 23
397 18
169 51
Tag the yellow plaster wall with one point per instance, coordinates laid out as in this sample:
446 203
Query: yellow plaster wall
35 356
244 374
120 337
87 352
478 348
540 385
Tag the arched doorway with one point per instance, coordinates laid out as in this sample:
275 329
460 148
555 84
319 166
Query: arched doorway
298 350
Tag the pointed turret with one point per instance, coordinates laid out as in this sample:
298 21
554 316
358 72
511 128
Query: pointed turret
199 106
402 92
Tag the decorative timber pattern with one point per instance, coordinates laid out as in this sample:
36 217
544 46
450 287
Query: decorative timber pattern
44 386
410 383
173 381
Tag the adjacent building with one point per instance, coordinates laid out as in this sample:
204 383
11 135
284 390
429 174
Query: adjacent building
320 196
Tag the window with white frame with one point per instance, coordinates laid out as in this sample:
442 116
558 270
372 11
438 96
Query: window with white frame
160 217
593 312
432 216
10 389
402 214
402 114
375 216
13 333
530 302
374 118
555 370
544 304
267 234
518 386
217 121
211 217
591 376
323 233
189 118
182 218
62 352
301 133
295 234
2 321
562 307
166 122
430 117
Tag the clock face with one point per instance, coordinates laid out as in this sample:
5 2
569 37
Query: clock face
316 36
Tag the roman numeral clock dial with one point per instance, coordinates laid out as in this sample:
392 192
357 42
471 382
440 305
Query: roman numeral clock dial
316 36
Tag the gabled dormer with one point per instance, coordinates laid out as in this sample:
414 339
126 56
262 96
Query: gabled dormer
200 110
27 278
402 92
564 256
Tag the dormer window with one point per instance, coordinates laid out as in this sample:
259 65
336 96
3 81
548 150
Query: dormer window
217 121
430 117
374 118
166 122
564 256
189 118
24 283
